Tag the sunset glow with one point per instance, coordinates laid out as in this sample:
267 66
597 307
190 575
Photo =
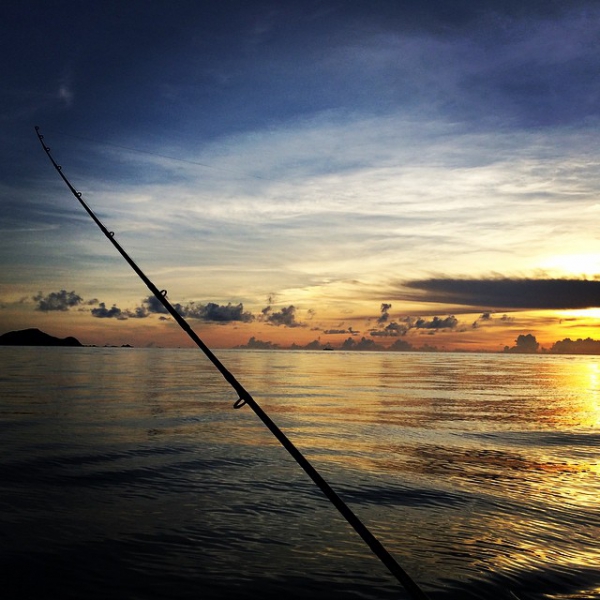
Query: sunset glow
358 177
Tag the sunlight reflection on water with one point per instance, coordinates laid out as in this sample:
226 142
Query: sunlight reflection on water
479 472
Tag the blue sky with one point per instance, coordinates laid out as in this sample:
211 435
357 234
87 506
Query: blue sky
333 157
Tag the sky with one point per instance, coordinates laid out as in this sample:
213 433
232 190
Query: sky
369 175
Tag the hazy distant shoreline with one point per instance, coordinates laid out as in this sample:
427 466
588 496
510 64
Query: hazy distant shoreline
526 344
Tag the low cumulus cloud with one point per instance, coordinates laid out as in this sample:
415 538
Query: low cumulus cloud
528 344
524 344
254 344
401 346
392 329
449 322
216 313
140 312
153 304
102 312
57 301
385 313
314 345
210 312
64 300
403 325
481 319
349 331
286 316
114 312
363 344
579 346
508 293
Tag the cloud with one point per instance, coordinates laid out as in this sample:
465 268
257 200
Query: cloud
108 313
215 313
401 346
525 344
509 293
485 317
61 301
140 312
286 316
363 344
392 329
385 309
449 322
65 94
579 346
341 331
153 304
114 312
210 312
405 324
314 345
254 344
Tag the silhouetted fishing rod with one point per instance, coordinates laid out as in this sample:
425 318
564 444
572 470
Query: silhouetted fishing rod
244 397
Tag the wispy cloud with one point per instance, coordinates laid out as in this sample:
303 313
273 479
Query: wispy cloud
410 199
65 93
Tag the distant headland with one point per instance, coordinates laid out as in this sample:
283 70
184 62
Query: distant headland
35 337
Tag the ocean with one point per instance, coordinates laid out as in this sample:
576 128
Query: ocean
127 474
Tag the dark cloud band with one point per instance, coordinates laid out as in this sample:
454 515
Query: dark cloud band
507 293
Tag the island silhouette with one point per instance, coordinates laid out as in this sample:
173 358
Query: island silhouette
35 337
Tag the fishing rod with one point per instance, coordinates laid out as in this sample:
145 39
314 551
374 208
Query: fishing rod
244 398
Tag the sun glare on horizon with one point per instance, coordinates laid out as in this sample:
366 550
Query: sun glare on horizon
586 265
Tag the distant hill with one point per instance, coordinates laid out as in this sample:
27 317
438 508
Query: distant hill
35 337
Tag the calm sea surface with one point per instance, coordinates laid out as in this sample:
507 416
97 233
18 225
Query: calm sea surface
127 474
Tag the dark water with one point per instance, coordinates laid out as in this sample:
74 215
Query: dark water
125 473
